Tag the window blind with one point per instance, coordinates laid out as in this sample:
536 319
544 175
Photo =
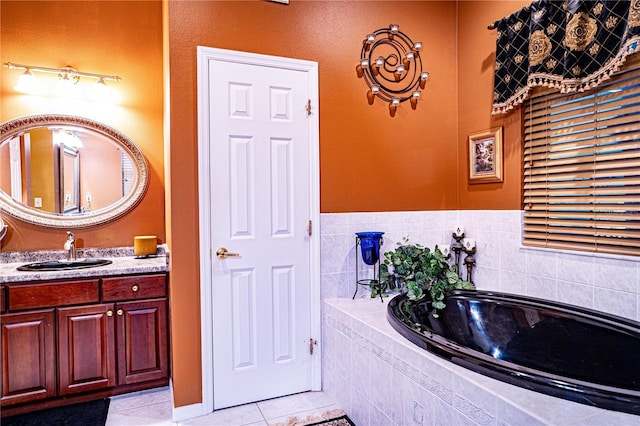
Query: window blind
582 168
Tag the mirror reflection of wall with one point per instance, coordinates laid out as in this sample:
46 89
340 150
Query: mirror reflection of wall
70 173
64 170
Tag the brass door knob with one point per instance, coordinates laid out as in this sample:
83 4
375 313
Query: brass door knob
223 253
134 288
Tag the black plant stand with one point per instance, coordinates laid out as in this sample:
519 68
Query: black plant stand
371 283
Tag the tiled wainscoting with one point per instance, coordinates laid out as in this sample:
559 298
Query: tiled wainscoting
606 283
381 379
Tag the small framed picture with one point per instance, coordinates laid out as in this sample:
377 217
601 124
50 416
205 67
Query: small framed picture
485 156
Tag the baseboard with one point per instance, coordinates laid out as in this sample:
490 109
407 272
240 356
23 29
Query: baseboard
187 412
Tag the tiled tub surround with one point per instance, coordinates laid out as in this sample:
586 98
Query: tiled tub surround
380 378
369 368
123 262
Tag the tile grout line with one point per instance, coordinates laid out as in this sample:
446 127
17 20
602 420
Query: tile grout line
262 414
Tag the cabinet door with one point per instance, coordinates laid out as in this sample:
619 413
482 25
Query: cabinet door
28 357
86 348
142 341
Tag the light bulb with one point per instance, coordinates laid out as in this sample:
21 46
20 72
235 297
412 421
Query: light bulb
379 61
416 94
410 56
364 63
375 88
400 69
100 91
370 38
424 76
417 46
395 102
67 86
27 83
394 28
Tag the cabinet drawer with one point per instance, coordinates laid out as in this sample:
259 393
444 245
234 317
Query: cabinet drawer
35 296
134 287
2 305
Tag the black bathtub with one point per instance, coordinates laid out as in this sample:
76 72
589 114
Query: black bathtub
566 351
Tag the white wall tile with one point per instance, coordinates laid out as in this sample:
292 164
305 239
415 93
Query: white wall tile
616 274
512 256
418 404
334 223
513 282
575 294
541 287
542 264
502 262
575 268
474 402
615 302
485 278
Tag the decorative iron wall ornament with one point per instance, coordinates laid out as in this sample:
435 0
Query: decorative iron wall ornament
391 65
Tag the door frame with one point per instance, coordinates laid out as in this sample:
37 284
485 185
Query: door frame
205 55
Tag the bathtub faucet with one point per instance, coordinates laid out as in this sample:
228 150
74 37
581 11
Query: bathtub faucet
70 246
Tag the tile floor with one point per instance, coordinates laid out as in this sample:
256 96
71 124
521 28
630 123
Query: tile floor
153 408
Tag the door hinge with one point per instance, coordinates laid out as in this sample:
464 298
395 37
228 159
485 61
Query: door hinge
312 343
310 227
308 106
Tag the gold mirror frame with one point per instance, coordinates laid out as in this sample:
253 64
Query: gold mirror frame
8 205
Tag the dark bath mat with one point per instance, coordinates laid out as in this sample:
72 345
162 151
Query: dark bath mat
329 418
92 413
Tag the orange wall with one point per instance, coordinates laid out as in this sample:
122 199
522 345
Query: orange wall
104 181
419 157
42 169
106 37
369 161
476 58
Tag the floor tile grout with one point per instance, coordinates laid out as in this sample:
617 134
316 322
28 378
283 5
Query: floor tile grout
132 405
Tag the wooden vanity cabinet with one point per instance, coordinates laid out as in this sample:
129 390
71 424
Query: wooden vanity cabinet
113 338
28 357
2 305
141 340
86 348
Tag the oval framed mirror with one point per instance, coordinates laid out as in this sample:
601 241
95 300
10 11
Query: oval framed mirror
64 171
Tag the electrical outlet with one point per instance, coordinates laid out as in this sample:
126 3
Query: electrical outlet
37 202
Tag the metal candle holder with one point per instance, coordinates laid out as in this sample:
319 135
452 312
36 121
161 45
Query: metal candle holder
457 248
470 262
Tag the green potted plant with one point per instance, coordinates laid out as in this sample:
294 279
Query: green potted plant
423 271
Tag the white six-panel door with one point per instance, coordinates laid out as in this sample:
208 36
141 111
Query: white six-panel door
260 202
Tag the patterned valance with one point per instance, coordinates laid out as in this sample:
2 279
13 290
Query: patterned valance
572 45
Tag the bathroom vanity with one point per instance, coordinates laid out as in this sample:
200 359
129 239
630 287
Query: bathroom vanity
76 335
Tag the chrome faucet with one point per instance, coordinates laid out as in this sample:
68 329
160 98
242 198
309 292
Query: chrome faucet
70 246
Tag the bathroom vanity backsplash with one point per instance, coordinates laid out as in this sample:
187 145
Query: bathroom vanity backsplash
45 255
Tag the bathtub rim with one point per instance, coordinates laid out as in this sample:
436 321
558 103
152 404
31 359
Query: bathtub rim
593 394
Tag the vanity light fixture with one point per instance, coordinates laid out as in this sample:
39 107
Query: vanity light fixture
68 78
391 65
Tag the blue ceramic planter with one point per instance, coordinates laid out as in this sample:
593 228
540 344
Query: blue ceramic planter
370 246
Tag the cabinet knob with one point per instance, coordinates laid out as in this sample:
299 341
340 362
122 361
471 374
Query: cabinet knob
109 313
120 312
134 288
